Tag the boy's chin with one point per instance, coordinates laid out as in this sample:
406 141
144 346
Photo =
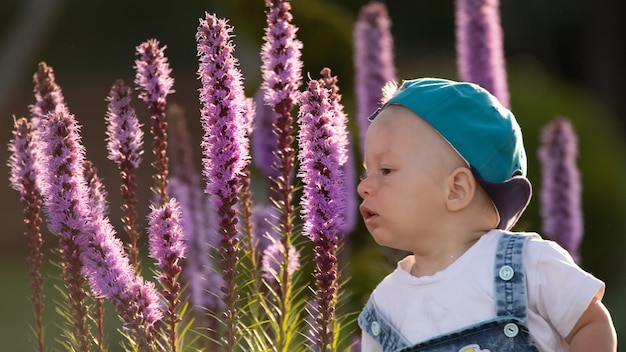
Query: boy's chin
384 242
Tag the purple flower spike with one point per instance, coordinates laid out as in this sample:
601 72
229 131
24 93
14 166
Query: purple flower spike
21 161
153 74
167 247
561 189
124 134
99 207
23 179
281 53
479 46
340 122
167 243
373 61
124 143
48 95
225 149
48 99
223 109
322 154
282 78
66 201
97 193
95 249
153 78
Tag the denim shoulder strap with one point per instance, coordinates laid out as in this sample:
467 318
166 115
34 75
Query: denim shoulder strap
510 277
374 324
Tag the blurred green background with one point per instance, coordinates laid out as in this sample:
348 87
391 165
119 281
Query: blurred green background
564 58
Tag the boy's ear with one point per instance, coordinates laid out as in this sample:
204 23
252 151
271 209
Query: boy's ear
461 188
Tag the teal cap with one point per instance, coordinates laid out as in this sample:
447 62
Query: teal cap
482 131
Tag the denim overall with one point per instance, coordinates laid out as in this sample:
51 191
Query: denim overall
507 332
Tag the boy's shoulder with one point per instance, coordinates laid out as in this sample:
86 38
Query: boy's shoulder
537 248
536 244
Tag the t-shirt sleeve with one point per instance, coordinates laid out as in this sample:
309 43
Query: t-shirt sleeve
558 288
368 344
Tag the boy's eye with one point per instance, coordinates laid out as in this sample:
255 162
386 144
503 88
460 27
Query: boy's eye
385 171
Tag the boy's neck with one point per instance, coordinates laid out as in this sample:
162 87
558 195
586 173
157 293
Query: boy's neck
432 261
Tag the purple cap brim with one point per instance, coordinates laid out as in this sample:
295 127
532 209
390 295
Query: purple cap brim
510 198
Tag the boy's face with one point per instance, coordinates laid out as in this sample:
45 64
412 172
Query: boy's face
403 191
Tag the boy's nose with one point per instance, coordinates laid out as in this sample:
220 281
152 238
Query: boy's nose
363 188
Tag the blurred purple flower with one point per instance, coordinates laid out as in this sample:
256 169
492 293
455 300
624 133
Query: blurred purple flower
249 106
322 153
373 61
356 344
265 219
185 185
153 77
181 147
263 141
195 225
560 196
479 46
246 183
273 259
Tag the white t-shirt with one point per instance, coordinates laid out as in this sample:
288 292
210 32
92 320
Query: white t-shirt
463 294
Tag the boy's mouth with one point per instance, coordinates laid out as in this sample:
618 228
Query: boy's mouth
367 213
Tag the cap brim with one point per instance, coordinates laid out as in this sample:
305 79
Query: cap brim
510 197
